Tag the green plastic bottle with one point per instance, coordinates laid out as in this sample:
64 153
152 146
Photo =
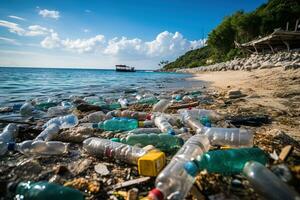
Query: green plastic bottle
45 105
117 124
225 162
46 191
148 100
164 142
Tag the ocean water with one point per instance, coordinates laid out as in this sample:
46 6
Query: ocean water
20 84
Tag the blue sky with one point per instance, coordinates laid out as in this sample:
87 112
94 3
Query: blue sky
100 34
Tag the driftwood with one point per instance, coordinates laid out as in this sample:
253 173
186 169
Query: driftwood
187 105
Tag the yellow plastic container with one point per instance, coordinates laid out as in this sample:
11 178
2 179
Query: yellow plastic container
151 163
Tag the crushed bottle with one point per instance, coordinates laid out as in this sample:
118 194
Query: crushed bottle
267 184
225 162
173 182
8 136
149 163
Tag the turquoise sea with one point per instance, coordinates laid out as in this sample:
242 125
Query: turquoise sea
20 84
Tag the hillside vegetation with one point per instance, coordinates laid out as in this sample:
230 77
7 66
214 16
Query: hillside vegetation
240 27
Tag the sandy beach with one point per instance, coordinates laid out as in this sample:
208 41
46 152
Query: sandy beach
275 91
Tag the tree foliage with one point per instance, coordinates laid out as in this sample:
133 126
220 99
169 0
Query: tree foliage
241 27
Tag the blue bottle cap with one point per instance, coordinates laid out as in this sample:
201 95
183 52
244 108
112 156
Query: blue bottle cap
208 124
94 125
191 168
171 132
11 146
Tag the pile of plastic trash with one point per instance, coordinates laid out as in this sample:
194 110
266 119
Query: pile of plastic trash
172 147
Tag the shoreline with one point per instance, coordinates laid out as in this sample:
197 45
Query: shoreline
275 91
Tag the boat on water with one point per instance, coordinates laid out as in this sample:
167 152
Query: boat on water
124 68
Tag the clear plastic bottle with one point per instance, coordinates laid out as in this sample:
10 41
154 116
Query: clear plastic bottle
198 113
162 123
225 162
58 111
233 137
92 99
113 150
44 190
161 106
141 116
67 121
38 147
174 182
191 122
9 133
164 142
123 102
50 132
26 109
117 124
95 117
267 184
150 162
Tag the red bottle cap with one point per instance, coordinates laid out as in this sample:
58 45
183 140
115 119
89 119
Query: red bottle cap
156 194
148 116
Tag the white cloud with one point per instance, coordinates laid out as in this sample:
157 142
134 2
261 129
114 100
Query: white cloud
49 13
9 40
33 30
51 41
36 30
84 45
86 30
125 47
16 17
12 27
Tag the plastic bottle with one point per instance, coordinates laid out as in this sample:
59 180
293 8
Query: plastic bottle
50 132
44 105
38 147
67 121
174 182
233 137
66 104
162 123
161 106
267 184
95 117
123 102
9 133
26 109
164 142
199 113
44 190
58 111
191 122
147 100
149 163
92 99
141 116
144 131
225 162
117 124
